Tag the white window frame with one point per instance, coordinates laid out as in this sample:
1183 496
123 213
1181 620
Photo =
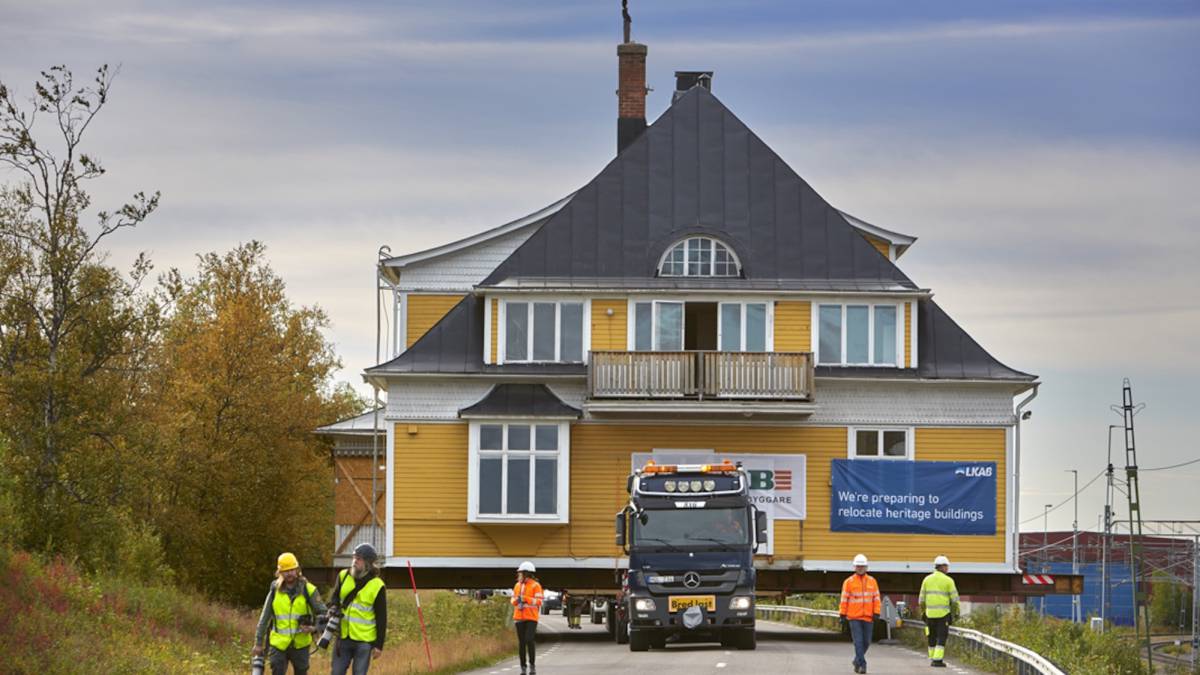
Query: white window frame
910 453
631 317
502 329
563 455
712 262
768 324
870 305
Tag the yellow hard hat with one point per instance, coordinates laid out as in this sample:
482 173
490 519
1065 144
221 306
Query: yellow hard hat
287 561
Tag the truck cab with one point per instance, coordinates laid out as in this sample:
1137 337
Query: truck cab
690 532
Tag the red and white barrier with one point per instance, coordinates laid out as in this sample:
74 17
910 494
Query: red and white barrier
1038 579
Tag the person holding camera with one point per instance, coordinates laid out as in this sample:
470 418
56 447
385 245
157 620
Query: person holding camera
362 598
288 618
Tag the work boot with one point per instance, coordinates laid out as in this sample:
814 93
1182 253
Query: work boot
938 664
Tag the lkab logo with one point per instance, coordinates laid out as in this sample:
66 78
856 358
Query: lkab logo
974 471
778 480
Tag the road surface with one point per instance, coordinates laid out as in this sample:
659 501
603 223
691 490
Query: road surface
781 649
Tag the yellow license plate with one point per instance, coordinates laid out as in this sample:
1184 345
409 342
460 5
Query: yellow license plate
678 603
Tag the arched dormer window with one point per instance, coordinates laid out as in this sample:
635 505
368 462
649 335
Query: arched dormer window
699 257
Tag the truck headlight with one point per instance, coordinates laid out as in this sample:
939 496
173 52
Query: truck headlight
644 604
669 485
739 602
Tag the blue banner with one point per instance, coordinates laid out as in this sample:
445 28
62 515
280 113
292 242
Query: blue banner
913 497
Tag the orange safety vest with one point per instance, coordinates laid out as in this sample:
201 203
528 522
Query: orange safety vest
860 598
531 592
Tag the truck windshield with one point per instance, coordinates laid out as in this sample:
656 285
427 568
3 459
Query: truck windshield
692 527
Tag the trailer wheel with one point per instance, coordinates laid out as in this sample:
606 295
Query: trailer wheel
639 641
748 639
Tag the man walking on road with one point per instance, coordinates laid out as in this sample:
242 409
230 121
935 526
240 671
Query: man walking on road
939 607
362 597
287 618
527 605
860 608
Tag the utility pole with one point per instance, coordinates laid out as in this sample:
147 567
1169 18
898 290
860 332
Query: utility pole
1045 547
1104 543
1076 614
1195 601
1127 410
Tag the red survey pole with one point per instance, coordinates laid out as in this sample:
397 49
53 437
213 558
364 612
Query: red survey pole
420 614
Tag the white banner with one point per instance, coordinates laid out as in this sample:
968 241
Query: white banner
777 482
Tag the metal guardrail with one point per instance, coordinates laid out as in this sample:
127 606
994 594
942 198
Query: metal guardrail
1028 660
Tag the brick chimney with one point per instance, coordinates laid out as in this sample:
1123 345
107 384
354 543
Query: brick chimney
631 92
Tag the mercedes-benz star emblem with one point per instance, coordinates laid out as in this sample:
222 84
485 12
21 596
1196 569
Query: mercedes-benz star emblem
691 580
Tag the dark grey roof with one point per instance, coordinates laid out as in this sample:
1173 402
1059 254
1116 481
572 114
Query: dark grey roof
520 400
455 346
946 351
699 170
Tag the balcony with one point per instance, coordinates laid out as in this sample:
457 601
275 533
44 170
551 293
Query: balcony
700 381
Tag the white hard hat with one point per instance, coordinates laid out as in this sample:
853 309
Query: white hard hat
941 560
526 566
860 559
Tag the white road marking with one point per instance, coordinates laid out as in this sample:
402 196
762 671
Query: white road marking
721 664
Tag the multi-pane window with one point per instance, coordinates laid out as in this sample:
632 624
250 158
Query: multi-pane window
517 470
879 444
743 327
699 257
543 331
857 335
658 326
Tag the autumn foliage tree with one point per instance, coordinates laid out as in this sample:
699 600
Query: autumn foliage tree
240 378
73 329
148 431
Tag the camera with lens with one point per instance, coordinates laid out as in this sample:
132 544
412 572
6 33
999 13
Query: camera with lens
328 625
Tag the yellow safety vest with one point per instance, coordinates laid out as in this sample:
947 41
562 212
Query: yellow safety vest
938 595
286 629
358 620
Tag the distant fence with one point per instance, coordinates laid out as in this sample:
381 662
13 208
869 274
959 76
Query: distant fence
987 647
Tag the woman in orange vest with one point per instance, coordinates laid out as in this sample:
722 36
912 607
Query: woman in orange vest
860 608
527 604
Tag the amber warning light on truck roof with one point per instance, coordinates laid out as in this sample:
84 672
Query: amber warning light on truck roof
724 467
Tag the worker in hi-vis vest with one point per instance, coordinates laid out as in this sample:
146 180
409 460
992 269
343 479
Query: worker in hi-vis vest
860 609
288 617
939 608
527 606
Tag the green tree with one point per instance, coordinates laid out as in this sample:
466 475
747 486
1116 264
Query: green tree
241 382
1170 602
73 330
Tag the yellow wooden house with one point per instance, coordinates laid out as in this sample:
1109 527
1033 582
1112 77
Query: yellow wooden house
696 298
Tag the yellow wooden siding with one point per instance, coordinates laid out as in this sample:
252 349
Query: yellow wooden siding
793 326
908 335
879 244
932 444
431 513
610 332
423 312
495 330
431 495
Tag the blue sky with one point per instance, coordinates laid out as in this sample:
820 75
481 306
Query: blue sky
1046 154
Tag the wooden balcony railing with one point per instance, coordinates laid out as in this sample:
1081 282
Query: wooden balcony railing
701 375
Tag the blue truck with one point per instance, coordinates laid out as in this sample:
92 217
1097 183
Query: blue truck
690 532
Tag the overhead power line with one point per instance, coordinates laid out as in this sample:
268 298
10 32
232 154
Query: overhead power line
1063 502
